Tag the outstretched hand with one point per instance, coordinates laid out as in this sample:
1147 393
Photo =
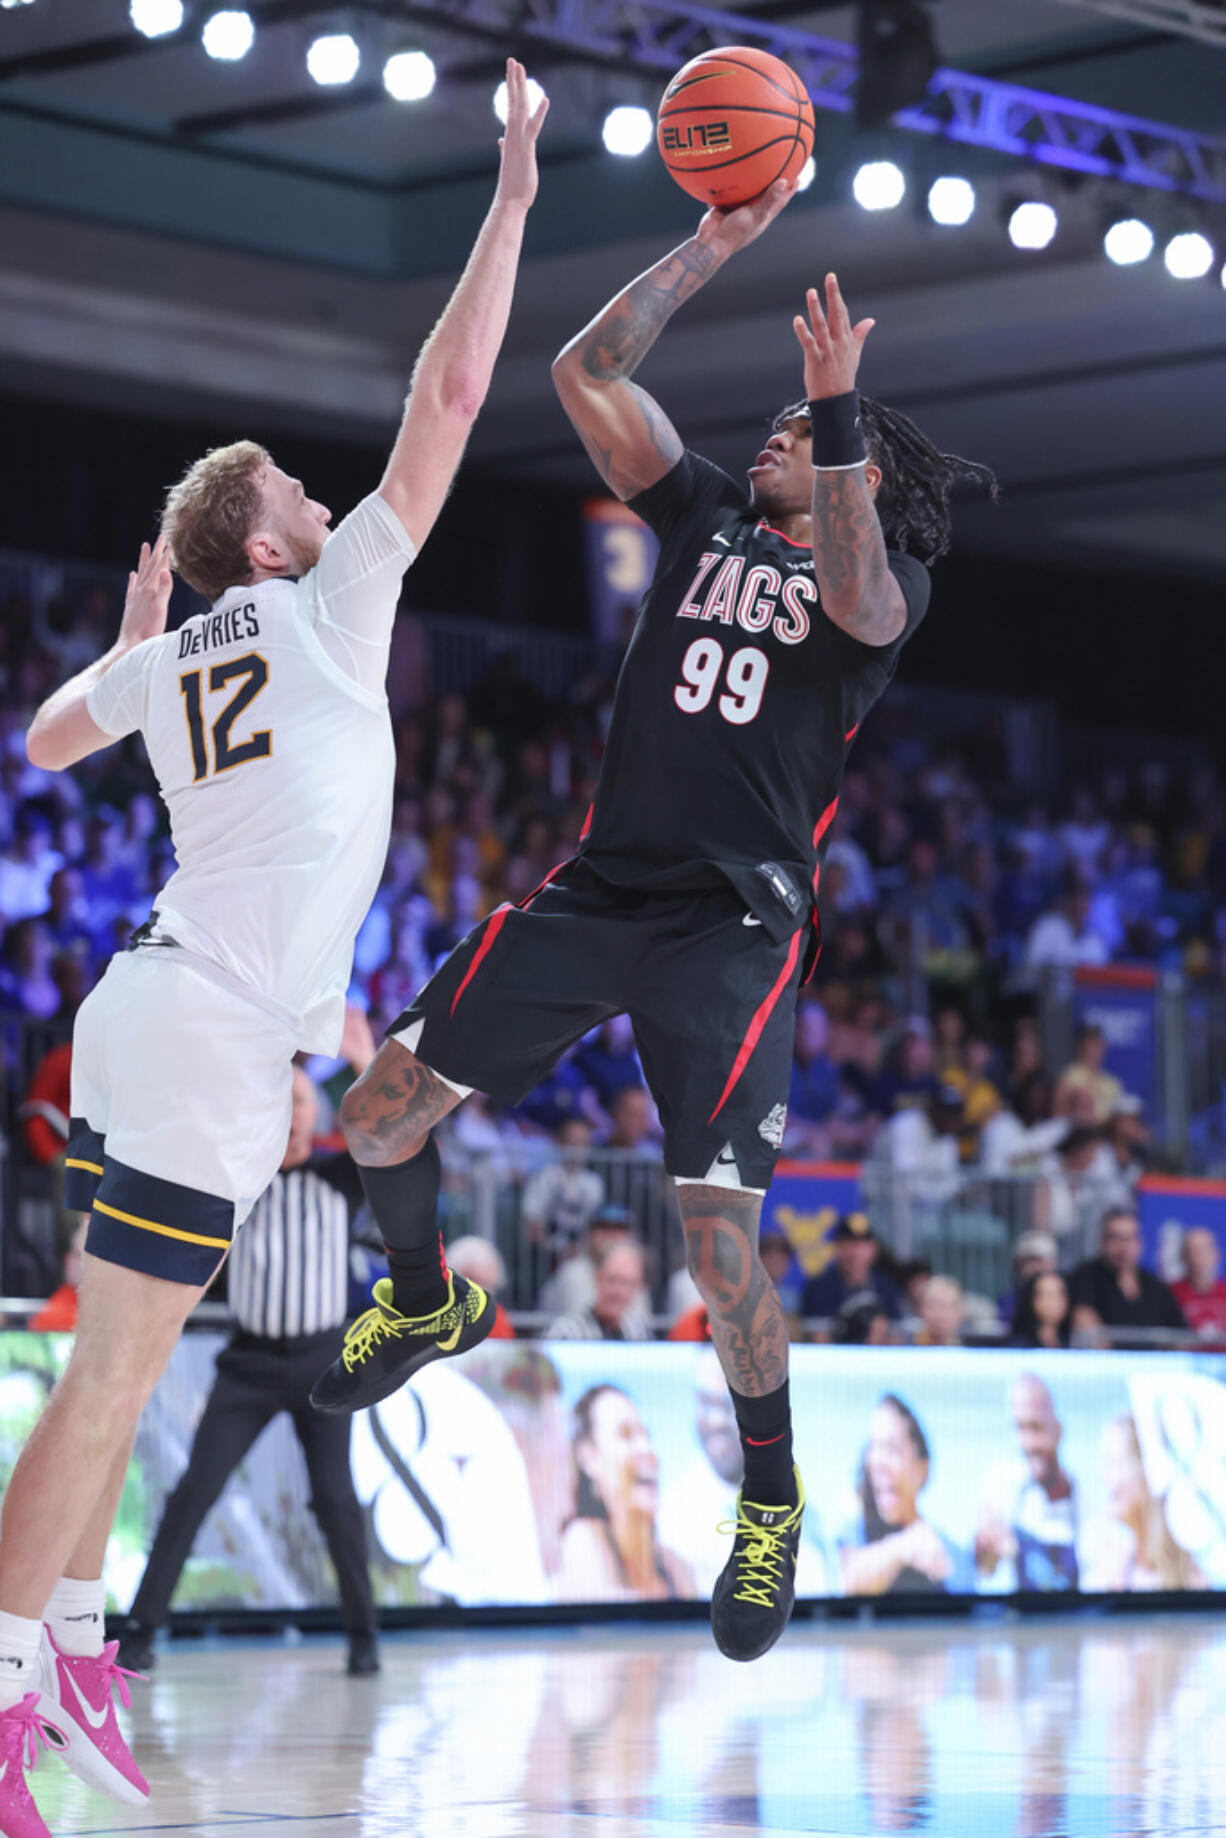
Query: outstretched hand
832 346
517 180
148 598
726 230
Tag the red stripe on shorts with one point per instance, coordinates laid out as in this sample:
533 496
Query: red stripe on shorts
754 1033
493 926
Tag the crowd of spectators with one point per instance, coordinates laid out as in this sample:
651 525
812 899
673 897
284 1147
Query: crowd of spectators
942 875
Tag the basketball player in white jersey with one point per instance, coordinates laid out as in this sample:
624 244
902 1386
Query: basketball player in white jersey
267 726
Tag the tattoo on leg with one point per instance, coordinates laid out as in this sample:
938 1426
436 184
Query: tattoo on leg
747 1324
393 1107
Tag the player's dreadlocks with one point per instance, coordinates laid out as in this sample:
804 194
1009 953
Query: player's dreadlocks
917 479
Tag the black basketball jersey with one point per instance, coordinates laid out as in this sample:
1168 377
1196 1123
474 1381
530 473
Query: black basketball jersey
735 708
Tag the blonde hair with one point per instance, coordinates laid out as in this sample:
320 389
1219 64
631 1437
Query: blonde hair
210 514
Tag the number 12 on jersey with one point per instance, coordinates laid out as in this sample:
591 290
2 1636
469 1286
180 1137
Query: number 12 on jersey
251 673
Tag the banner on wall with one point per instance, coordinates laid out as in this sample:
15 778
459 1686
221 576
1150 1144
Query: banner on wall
1169 1205
567 1472
621 557
804 1199
1122 1000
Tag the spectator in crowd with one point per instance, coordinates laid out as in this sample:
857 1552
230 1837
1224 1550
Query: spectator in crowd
609 1060
633 1124
612 1314
1082 1185
26 982
887 1546
943 1312
482 1262
562 1198
66 912
780 1263
1043 1316
861 1322
27 865
1024 1140
1034 1253
981 1098
1133 1550
908 1081
815 1091
1086 1072
1126 1140
1029 1510
1112 1290
1063 936
850 1272
610 1549
46 1107
1200 1292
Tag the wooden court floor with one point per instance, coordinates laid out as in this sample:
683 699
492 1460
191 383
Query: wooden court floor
1080 1729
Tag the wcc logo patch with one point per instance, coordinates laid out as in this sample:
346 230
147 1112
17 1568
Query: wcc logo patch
771 1128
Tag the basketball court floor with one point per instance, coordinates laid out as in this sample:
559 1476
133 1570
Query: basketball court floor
1012 1730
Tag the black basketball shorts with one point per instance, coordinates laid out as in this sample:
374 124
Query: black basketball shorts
710 994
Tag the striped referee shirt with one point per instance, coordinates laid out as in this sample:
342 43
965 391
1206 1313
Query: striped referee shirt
289 1269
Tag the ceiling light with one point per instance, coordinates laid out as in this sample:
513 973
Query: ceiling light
536 96
807 174
409 76
334 58
1032 225
627 130
1128 241
1188 256
156 17
7 5
228 36
951 201
879 186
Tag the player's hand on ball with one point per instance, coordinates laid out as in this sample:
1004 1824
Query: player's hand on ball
832 346
517 180
727 231
148 597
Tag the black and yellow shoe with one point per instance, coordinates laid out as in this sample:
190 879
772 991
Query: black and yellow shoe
751 1603
383 1348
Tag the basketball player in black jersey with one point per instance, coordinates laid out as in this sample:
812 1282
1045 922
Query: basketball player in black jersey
773 623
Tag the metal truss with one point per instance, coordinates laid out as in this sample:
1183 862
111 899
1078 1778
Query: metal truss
1194 18
975 110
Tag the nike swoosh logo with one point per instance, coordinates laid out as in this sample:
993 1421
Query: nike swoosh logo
725 1160
449 1345
750 919
96 1719
722 539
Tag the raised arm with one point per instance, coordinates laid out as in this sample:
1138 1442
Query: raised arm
456 363
628 437
858 592
63 731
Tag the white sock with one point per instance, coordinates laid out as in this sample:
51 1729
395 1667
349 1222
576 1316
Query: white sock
76 1615
19 1670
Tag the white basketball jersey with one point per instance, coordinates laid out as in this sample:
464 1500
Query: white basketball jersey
267 726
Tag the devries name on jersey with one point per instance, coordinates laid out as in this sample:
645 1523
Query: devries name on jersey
227 627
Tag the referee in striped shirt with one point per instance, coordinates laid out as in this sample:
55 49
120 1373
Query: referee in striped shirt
288 1286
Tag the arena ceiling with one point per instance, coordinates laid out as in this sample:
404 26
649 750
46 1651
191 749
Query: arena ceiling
185 236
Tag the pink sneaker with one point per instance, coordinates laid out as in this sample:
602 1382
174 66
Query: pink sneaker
79 1690
22 1730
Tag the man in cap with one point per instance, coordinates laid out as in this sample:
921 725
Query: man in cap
850 1271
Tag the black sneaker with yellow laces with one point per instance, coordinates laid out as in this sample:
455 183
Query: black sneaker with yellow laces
751 1603
383 1348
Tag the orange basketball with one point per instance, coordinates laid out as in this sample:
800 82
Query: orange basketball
732 122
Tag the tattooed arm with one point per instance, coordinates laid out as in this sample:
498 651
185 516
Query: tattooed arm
628 437
859 594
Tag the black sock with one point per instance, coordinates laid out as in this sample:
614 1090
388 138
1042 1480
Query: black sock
765 1425
404 1200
